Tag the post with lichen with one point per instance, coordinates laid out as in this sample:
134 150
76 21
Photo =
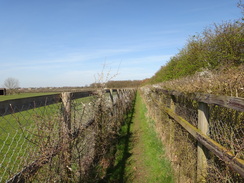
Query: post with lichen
171 122
66 135
203 126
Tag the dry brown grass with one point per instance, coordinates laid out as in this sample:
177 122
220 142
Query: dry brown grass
225 81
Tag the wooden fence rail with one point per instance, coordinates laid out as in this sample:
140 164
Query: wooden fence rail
200 133
23 104
68 136
235 103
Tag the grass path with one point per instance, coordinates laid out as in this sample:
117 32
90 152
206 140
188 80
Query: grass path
140 155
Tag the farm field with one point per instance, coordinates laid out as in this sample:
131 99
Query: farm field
20 133
22 95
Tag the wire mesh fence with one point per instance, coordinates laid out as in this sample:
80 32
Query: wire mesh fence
226 128
20 134
181 147
58 141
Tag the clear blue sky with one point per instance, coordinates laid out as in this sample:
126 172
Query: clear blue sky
67 42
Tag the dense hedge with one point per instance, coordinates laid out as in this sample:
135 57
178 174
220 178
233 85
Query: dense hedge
216 47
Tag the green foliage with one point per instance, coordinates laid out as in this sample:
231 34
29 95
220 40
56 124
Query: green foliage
216 47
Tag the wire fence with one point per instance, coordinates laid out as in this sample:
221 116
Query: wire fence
19 133
59 138
217 155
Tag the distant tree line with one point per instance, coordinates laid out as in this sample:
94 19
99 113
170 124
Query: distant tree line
118 84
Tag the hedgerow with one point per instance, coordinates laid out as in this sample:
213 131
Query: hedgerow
216 47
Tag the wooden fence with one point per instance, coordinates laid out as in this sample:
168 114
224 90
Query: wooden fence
70 131
201 131
22 104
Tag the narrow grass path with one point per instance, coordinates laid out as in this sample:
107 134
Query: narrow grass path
140 155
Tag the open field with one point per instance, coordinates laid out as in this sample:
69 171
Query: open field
66 134
21 133
23 95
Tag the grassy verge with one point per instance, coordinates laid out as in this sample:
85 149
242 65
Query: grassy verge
140 155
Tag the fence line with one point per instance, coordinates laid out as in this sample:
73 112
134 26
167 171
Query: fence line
228 148
229 158
33 167
235 103
60 135
22 104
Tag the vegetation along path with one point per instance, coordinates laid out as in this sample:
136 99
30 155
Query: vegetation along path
140 155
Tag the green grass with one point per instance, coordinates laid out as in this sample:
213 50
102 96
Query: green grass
140 156
14 147
22 95
15 132
152 157
120 171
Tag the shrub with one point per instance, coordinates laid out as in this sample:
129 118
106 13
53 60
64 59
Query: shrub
216 47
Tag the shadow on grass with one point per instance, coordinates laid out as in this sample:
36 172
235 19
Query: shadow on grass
118 172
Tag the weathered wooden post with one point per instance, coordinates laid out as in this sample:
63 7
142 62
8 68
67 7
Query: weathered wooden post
111 96
172 103
118 93
112 101
203 126
66 100
171 122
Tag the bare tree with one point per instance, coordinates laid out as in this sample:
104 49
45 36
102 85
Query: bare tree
240 5
11 84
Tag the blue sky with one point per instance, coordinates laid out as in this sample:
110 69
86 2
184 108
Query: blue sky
68 42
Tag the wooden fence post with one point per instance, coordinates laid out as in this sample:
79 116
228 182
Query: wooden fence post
203 126
111 96
66 100
118 93
172 103
112 101
171 124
